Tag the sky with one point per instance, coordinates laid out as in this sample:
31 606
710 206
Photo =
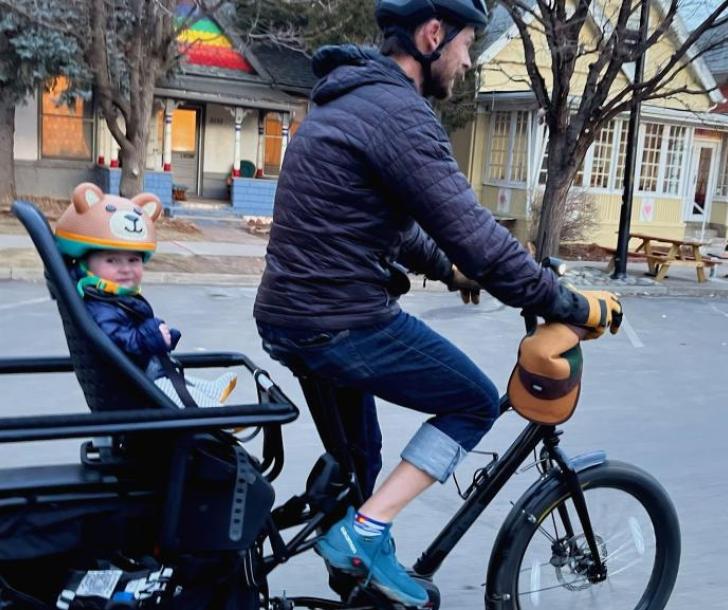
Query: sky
694 11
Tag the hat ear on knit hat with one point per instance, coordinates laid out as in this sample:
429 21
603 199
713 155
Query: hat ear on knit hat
546 382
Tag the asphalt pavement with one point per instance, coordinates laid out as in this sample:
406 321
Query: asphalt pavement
654 395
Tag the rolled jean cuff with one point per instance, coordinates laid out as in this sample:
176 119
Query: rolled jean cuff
433 452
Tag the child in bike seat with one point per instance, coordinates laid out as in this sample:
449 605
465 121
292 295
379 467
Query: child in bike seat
107 240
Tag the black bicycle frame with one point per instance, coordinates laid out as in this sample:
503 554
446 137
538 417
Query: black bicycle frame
483 493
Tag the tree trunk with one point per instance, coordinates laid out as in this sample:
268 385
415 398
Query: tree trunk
552 218
132 171
134 159
7 143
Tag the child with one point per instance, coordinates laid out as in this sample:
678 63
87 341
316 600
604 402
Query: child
108 239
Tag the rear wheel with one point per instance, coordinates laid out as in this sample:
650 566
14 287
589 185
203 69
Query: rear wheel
550 566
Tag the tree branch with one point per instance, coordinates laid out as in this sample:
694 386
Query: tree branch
537 80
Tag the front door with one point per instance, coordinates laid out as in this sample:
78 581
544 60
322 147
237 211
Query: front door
702 182
186 147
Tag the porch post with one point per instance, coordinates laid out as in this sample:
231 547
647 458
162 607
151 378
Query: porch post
169 106
239 116
101 140
114 152
285 129
260 161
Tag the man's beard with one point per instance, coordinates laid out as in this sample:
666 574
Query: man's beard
435 87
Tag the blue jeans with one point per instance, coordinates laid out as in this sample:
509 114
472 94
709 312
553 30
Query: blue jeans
404 362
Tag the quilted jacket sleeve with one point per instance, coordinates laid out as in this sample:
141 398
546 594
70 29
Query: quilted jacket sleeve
412 155
136 339
420 254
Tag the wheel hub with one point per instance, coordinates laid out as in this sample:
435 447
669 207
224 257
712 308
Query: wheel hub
575 568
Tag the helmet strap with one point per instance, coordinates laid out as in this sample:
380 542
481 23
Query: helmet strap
94 281
405 39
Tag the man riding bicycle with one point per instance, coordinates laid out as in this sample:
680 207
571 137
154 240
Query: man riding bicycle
368 186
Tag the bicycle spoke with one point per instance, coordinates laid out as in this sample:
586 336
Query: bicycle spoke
539 565
557 578
559 586
629 565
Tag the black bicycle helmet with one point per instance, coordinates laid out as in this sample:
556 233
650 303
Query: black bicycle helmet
411 13
401 17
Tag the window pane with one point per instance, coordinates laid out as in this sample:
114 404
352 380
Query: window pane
520 149
674 160
499 141
273 142
602 160
66 130
723 175
543 173
621 156
579 176
650 157
184 130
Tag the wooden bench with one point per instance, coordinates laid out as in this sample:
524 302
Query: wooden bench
661 252
631 255
704 262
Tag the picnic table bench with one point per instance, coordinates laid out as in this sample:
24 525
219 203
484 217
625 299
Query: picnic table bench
661 252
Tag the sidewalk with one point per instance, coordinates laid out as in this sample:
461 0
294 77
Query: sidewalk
241 263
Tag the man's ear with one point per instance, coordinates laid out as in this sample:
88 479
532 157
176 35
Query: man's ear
430 34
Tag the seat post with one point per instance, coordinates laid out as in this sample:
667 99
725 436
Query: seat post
321 397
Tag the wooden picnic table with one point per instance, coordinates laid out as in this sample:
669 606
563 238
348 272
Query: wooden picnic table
662 252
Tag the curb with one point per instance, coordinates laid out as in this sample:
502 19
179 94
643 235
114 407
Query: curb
35 274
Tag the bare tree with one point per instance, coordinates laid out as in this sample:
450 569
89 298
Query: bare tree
31 56
133 43
575 117
127 46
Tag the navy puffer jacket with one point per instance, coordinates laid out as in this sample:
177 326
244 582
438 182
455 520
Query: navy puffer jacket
130 323
370 179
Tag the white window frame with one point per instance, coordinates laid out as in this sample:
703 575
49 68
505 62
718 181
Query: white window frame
722 172
681 167
508 182
612 160
622 125
612 187
659 192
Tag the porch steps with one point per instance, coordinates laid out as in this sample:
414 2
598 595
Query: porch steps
204 210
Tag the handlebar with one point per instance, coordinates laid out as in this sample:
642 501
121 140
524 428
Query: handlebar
559 268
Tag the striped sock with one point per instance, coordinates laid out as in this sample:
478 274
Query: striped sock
368 527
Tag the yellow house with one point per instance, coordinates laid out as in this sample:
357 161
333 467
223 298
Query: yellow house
681 181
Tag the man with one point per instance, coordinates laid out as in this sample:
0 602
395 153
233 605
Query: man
368 182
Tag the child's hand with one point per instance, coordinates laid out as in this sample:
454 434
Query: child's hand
166 335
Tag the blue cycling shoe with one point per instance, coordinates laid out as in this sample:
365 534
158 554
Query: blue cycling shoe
371 558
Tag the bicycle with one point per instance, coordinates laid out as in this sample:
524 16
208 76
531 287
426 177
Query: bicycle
554 550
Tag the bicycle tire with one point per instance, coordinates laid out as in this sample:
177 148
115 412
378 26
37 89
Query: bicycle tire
526 523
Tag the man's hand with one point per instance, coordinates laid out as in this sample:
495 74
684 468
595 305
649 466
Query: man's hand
604 311
469 289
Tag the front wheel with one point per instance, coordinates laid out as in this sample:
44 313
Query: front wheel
547 565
